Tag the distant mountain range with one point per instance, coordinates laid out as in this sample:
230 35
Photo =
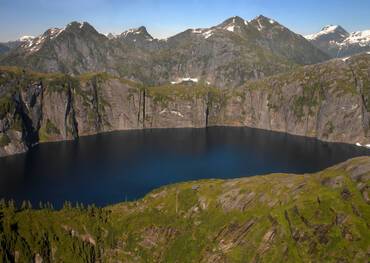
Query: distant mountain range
337 42
227 55
333 40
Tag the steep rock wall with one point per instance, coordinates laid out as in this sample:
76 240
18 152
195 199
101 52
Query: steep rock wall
328 101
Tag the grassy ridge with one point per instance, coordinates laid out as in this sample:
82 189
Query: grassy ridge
321 217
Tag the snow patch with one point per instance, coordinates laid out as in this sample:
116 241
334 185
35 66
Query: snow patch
260 26
172 112
197 31
177 113
358 144
208 33
26 38
232 25
131 31
360 37
36 43
55 32
179 80
230 28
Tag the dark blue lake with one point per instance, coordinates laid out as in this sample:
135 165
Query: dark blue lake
109 168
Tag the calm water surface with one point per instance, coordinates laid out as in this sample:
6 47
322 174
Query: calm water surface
109 168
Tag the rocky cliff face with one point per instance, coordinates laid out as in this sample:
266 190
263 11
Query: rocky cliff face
328 101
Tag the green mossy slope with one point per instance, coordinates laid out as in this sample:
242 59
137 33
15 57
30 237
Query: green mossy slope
321 217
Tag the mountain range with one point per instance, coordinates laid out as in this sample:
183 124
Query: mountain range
201 53
227 54
337 42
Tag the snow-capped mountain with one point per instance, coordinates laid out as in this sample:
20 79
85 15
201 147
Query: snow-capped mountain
77 47
337 42
228 54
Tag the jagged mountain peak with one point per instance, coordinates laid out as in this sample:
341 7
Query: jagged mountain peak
233 24
264 19
236 20
74 28
137 32
77 24
333 28
261 17
262 22
142 29
329 28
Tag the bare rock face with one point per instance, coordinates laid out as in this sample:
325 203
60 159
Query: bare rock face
317 101
327 101
105 106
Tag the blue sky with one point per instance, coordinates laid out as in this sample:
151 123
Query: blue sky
164 18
